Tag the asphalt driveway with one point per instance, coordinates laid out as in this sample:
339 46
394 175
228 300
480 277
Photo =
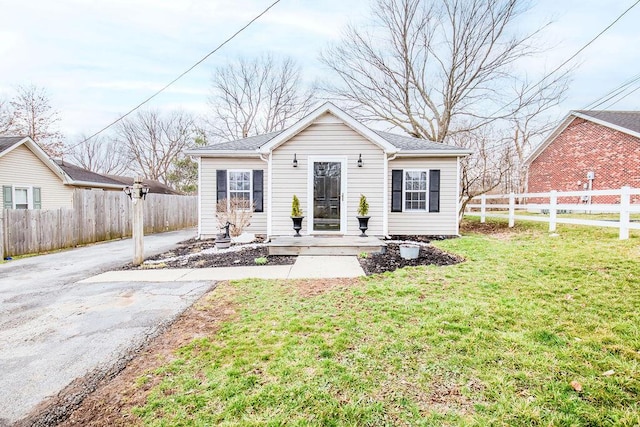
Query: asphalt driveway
54 330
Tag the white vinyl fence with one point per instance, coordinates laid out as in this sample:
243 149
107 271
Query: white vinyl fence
622 202
96 216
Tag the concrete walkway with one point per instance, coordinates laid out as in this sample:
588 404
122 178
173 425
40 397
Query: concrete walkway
305 267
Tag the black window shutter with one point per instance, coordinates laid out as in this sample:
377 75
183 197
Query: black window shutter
396 190
258 191
221 185
7 196
434 190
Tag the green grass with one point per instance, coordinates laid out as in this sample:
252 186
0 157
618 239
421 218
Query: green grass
496 340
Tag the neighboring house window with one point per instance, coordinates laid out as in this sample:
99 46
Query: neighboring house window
415 190
21 197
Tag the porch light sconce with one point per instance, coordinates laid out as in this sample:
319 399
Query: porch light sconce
295 161
143 191
360 161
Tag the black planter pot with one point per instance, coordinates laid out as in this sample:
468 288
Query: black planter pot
297 225
363 224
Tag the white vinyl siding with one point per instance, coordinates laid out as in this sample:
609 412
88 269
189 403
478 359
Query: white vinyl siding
423 222
208 186
21 168
328 137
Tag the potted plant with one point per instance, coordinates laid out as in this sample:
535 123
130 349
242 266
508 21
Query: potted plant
363 218
296 215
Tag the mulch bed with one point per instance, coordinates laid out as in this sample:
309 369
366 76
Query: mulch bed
391 259
188 254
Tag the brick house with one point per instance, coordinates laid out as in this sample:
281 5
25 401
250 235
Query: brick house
589 150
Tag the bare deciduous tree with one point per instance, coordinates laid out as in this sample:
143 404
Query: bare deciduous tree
101 154
485 169
530 122
6 119
426 66
32 115
252 97
153 141
237 212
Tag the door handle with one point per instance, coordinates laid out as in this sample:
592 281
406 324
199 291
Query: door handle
342 197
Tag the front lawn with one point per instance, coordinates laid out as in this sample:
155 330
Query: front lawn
530 330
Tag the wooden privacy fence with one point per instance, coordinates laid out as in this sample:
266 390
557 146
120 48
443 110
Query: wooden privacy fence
96 216
623 202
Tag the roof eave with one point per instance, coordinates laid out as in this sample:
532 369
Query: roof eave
606 124
94 184
434 153
548 140
223 153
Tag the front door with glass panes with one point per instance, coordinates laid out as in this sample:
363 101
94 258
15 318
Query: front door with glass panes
327 195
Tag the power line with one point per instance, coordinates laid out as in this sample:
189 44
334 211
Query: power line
570 58
620 99
220 46
612 93
502 144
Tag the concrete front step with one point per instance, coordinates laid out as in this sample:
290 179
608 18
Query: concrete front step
325 245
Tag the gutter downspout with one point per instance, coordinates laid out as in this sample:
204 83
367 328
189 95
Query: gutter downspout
458 214
199 197
269 174
385 195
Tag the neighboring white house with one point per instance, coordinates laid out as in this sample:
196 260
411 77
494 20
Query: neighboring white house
328 159
30 179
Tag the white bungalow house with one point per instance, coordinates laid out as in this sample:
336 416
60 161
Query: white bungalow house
328 159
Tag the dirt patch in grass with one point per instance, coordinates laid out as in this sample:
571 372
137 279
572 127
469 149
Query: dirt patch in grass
112 402
311 288
497 229
446 396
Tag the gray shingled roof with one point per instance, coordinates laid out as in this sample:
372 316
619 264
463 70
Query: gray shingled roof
625 119
404 143
408 143
77 173
7 142
250 143
155 187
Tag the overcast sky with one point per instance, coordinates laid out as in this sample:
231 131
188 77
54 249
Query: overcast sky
98 59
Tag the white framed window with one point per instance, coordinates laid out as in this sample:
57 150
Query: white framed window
415 190
240 186
21 196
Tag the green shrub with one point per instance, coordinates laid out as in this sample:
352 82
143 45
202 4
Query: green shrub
363 208
295 207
